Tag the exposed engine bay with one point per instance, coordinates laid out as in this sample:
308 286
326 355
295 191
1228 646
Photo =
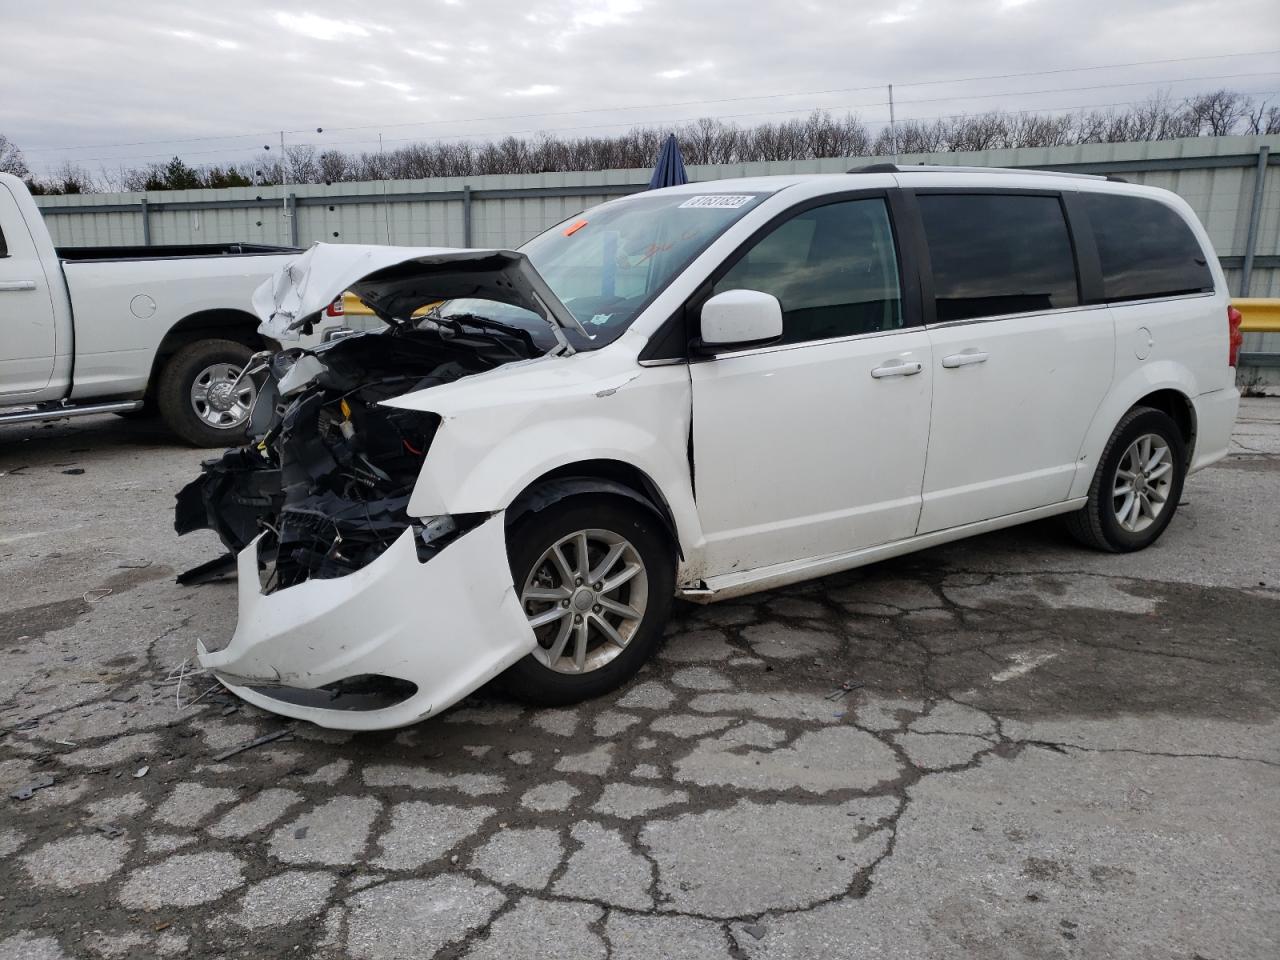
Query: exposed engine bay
327 475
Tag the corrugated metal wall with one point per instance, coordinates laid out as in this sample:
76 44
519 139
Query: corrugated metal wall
1216 175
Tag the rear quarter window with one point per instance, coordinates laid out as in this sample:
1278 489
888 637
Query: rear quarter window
4 247
1146 249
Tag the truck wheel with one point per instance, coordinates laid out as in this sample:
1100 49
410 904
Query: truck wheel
596 578
1136 490
198 395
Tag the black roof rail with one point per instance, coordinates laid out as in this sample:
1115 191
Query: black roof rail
943 168
1114 179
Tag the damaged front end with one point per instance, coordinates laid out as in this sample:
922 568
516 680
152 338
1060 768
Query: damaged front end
324 490
343 618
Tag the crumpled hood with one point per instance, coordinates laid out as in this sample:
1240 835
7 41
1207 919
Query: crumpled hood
395 281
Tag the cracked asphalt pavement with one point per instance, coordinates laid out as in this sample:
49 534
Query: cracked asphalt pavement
1043 752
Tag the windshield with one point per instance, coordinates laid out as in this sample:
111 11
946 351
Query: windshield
607 263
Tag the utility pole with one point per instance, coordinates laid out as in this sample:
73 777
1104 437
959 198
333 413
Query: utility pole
893 126
386 210
284 187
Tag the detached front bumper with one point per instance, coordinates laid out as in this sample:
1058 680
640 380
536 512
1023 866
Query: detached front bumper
446 626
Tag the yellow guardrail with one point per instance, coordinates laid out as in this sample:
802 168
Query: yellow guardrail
1261 315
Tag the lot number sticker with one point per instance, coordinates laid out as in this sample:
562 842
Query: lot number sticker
720 201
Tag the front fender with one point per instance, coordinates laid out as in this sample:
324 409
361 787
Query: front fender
484 454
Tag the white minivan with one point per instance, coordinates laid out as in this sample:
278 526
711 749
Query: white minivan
699 392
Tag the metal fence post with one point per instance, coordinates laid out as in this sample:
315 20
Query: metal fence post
1255 217
292 214
466 215
146 222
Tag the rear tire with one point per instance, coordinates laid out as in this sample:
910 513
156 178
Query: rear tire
180 376
1136 489
549 592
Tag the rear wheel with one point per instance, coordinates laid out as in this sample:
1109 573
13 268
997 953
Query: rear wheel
596 578
201 395
1136 489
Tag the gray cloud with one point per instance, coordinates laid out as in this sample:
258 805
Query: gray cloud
87 74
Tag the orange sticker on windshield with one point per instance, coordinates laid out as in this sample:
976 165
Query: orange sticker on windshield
574 227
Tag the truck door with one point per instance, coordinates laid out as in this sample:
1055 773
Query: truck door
26 308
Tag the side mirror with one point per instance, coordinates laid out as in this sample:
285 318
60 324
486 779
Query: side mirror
740 318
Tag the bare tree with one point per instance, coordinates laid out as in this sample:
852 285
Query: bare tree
11 159
707 140
302 163
69 177
1219 112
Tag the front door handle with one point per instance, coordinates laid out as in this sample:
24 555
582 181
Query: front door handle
965 359
897 369
13 286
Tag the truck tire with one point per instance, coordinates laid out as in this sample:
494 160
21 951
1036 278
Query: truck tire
195 393
1135 491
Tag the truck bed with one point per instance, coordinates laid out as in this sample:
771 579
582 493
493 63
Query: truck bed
178 251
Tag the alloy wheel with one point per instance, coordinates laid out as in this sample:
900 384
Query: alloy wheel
1143 482
585 598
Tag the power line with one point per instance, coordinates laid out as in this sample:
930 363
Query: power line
682 103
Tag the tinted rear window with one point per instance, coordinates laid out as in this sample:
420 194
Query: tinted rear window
1146 249
998 253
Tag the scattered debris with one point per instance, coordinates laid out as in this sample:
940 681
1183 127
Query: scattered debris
208 571
229 709
756 930
133 564
300 833
192 703
39 783
27 724
842 691
99 593
65 743
177 691
141 772
110 831
265 738
124 696
74 471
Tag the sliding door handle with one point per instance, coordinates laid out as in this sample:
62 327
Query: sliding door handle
898 369
13 286
966 359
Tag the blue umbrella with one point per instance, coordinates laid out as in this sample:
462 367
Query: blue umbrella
669 171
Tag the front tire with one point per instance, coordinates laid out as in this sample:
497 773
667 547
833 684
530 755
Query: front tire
596 578
198 397
1138 484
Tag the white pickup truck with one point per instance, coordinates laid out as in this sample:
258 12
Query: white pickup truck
129 329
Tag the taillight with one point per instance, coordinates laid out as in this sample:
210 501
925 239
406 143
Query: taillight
337 308
1234 337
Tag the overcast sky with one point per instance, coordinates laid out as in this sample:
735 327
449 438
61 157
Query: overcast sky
112 79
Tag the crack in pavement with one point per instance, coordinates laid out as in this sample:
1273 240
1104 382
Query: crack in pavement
927 706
